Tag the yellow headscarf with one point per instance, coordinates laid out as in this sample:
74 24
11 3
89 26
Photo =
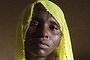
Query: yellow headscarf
63 51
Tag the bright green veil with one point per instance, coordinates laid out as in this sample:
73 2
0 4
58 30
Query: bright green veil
63 51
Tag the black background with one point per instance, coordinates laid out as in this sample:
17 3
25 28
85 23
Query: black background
77 13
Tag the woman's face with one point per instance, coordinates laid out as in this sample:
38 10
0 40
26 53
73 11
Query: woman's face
43 35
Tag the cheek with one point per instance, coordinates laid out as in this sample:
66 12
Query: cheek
55 37
31 32
55 40
31 29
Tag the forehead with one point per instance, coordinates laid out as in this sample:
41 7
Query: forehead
39 6
40 12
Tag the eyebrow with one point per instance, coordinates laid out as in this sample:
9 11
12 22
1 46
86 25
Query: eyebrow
36 18
55 23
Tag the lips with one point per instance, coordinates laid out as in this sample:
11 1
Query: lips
41 44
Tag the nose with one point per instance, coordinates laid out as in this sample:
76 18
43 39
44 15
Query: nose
43 32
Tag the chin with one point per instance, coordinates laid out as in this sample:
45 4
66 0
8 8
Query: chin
40 52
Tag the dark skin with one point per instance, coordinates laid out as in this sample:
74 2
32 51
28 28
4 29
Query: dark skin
42 36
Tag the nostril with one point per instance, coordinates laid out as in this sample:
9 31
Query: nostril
42 36
46 36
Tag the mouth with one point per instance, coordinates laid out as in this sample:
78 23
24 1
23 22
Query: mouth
41 45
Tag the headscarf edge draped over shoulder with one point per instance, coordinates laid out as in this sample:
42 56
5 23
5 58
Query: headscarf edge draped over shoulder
64 50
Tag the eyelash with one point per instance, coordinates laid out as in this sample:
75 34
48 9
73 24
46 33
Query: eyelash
52 27
34 23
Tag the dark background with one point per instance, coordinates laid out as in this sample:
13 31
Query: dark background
77 14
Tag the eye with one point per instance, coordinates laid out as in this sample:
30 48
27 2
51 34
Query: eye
53 27
34 23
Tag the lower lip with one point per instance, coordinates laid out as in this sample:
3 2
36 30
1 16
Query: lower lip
43 46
